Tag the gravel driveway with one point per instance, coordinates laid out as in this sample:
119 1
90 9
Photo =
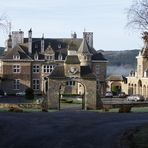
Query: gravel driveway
66 129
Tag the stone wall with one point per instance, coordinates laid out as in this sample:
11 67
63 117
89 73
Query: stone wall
90 96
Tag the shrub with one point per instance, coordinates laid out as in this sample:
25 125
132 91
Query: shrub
125 109
29 94
15 109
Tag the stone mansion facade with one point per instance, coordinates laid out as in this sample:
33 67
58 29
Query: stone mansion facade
30 62
138 80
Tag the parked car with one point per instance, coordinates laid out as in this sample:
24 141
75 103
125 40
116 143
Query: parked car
122 95
135 98
2 93
109 94
22 93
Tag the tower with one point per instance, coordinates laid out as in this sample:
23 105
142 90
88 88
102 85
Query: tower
17 37
84 54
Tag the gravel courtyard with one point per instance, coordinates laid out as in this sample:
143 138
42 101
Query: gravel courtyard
66 129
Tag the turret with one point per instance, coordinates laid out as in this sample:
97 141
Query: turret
84 53
30 41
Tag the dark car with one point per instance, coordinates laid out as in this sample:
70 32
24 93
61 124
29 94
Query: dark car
2 93
122 95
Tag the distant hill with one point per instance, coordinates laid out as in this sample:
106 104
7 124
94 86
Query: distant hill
1 50
120 62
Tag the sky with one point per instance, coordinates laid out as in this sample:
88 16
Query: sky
107 20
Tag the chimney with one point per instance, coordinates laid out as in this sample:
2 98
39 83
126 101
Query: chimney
73 35
9 43
42 44
30 41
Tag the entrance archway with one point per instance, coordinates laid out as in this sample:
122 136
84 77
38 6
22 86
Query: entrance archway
72 95
116 88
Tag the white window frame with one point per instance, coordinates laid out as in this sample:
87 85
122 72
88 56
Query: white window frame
36 84
60 57
36 69
16 57
48 68
70 83
16 68
36 57
16 84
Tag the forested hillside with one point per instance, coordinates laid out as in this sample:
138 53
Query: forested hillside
1 50
120 62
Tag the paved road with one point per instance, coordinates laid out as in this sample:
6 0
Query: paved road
66 129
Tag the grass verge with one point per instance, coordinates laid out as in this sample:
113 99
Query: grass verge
140 137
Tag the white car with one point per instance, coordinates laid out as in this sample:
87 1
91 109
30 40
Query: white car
135 98
109 94
20 93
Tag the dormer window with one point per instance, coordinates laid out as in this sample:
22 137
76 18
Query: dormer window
36 57
59 46
16 57
60 57
49 57
36 45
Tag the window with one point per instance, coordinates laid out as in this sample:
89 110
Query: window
36 84
70 83
16 84
60 57
59 46
36 69
36 57
48 68
36 45
49 57
16 68
97 69
16 57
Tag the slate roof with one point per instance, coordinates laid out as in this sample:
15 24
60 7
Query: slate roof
98 56
57 73
116 78
72 59
15 51
73 46
59 46
84 48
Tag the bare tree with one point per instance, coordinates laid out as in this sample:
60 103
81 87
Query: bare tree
138 15
4 24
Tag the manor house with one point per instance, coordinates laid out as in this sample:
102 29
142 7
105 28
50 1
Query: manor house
30 62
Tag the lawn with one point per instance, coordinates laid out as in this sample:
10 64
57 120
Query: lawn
140 137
